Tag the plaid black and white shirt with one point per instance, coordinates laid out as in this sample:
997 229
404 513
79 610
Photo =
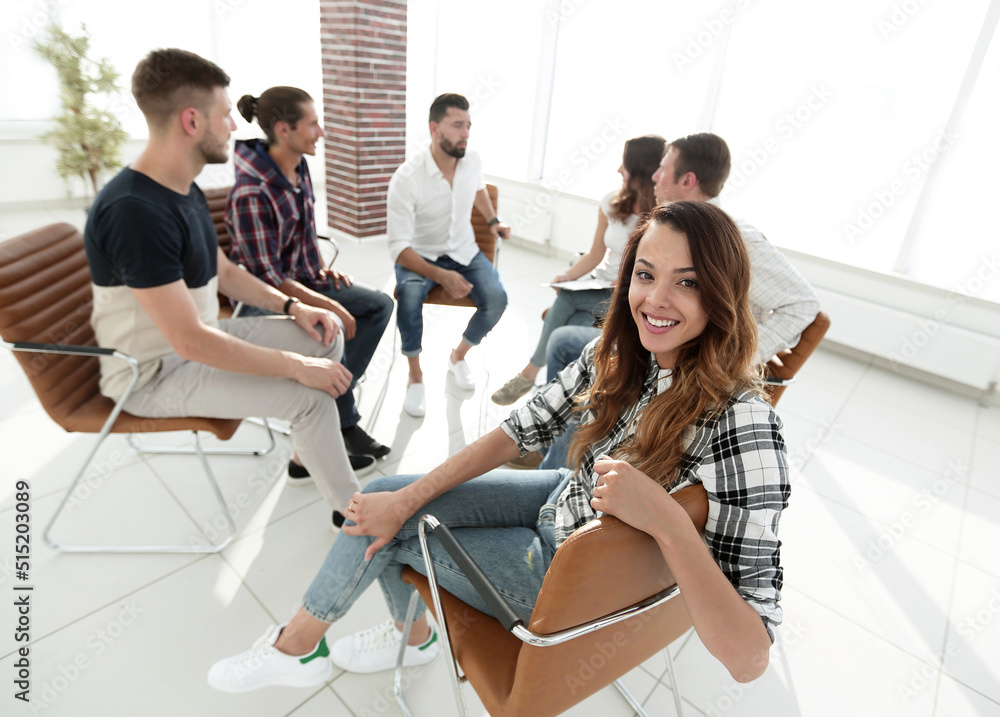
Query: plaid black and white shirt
739 457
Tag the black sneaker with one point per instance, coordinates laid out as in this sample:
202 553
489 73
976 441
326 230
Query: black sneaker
361 465
360 443
298 475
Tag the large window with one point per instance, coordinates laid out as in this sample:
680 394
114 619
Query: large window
487 52
833 132
862 131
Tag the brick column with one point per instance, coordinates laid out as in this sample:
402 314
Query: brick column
363 44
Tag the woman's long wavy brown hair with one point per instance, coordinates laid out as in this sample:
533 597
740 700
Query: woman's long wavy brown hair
641 158
710 369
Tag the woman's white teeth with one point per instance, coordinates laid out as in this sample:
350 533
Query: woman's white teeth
660 323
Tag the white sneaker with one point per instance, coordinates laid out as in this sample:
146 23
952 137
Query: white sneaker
262 665
414 403
377 649
463 374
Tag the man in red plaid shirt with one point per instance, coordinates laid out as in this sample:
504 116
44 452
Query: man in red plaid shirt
270 215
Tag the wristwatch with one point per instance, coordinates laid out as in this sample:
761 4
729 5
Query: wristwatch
288 304
494 220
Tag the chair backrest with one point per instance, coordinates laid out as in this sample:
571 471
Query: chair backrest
217 208
45 297
216 198
786 364
487 245
605 566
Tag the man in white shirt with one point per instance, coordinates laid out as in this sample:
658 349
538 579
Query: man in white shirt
431 240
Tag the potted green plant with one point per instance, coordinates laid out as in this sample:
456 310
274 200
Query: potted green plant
89 139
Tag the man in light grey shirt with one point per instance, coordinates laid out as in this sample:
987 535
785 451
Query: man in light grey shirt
431 240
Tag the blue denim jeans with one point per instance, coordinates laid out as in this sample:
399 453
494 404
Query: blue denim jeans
371 309
571 308
505 519
565 346
487 294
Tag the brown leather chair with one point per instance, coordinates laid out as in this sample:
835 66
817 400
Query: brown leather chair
607 604
781 369
488 245
45 306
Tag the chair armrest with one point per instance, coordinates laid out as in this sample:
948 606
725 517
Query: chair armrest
94 351
775 381
61 349
334 244
486 589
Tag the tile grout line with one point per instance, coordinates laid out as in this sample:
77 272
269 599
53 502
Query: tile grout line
889 643
197 559
954 572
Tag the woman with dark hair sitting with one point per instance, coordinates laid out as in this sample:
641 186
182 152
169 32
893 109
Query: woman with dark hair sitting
617 217
670 397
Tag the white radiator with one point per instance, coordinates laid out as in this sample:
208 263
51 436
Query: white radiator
927 344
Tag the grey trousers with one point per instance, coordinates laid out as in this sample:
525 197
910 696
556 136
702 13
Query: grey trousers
187 388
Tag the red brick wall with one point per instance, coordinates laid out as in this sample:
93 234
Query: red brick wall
363 45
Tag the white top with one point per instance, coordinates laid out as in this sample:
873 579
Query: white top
429 215
615 237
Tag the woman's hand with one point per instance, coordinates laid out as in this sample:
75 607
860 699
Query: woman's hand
377 514
631 496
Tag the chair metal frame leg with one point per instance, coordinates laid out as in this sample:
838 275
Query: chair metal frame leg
673 683
630 698
196 549
380 399
456 680
109 422
179 450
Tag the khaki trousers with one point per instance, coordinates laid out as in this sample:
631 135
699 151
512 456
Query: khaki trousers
187 388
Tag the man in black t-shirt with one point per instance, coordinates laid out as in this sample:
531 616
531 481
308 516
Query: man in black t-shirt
156 270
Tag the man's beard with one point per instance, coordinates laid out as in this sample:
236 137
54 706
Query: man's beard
213 151
452 150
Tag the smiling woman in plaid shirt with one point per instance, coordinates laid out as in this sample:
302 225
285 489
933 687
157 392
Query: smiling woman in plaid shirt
670 396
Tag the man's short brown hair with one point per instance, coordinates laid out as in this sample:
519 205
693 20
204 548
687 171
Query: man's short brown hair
705 154
167 81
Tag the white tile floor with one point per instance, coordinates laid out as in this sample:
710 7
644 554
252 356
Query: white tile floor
892 585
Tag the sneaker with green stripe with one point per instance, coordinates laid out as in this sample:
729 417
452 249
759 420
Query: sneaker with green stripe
377 649
263 665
